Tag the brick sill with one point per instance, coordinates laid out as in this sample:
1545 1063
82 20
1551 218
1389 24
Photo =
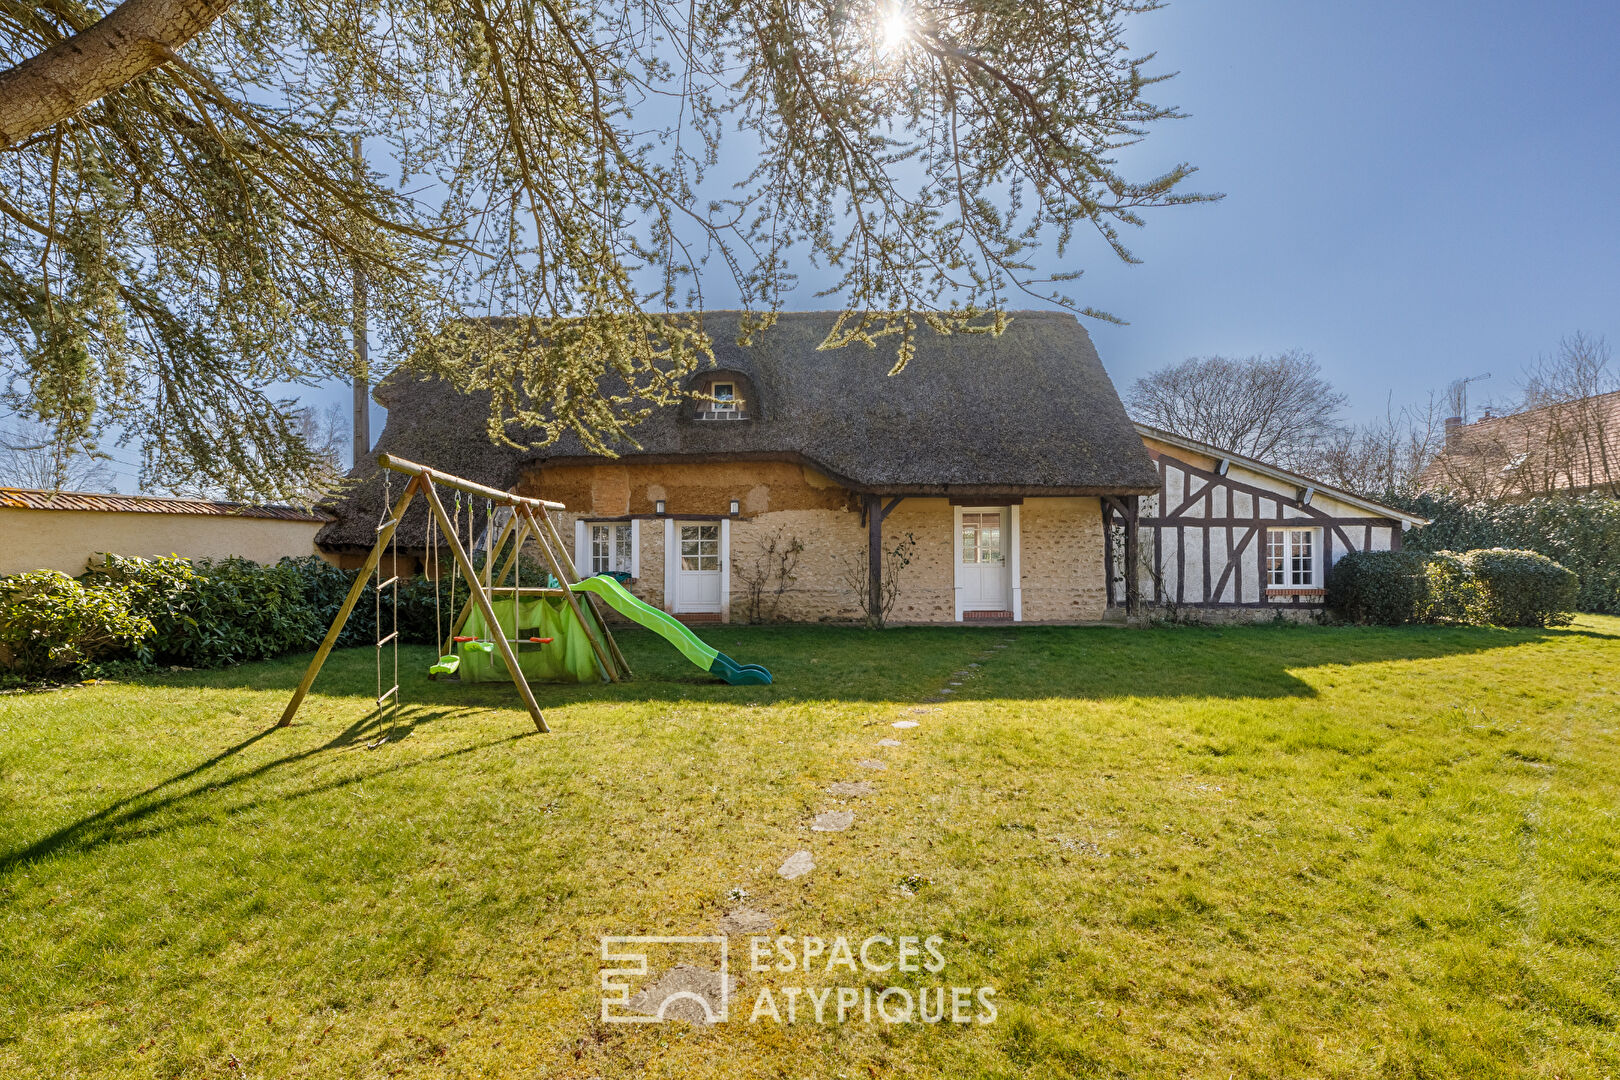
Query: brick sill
1296 592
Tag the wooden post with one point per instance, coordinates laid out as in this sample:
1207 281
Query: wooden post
567 561
383 536
1108 550
482 600
1133 569
563 576
874 560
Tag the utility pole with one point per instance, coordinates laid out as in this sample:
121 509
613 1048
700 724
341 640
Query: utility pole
362 352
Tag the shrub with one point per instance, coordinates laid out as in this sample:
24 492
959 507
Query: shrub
1384 587
213 613
1520 588
1450 592
50 623
1582 534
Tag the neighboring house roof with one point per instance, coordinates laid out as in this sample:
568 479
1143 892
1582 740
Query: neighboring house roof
1294 479
1030 411
38 499
1571 446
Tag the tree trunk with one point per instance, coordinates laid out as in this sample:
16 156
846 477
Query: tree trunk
134 38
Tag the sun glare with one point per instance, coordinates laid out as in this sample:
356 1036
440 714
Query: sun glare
896 29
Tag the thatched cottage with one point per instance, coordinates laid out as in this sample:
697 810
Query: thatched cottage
975 485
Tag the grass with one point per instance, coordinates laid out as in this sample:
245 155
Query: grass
1267 851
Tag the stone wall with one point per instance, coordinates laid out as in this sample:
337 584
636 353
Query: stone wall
1061 545
1061 539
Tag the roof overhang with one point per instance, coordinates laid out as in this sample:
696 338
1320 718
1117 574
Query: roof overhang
1307 487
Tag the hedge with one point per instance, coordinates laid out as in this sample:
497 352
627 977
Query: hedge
1520 588
50 623
1490 587
1581 534
206 613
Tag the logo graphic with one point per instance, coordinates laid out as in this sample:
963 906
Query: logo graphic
687 991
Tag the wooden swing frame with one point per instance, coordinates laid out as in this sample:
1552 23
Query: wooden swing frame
524 523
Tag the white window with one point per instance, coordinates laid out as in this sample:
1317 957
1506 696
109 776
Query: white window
725 397
981 538
1291 558
612 549
700 547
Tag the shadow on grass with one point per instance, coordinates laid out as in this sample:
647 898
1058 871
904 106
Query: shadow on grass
128 817
811 664
843 664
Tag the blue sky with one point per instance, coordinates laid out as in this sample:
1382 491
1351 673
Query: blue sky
1414 193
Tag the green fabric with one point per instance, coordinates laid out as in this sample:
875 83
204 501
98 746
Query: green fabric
568 658
666 626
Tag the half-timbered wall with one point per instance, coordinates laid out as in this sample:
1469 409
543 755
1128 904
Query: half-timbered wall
1203 536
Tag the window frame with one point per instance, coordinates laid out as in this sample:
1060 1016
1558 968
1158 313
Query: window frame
585 545
1290 551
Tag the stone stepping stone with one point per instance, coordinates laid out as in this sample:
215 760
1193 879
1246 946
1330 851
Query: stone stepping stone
833 821
747 921
851 789
904 724
686 993
947 689
870 763
889 742
799 864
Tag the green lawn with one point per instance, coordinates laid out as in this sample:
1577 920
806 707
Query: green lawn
1270 851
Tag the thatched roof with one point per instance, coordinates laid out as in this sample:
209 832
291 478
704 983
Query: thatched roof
1031 412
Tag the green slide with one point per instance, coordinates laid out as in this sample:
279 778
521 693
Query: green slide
670 629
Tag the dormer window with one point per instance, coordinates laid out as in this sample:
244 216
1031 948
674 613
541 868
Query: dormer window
723 397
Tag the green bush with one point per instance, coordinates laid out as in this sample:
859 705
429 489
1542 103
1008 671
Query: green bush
50 623
1494 587
214 613
1582 534
1520 588
1451 595
1381 587
203 614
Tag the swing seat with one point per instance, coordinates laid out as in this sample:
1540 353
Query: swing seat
447 665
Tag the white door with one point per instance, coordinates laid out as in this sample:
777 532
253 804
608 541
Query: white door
698 569
981 573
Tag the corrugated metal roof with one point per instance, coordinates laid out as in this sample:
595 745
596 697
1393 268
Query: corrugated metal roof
35 499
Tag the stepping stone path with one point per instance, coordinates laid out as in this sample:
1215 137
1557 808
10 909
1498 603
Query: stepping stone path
869 763
920 710
799 864
833 821
681 980
904 724
888 742
851 789
747 921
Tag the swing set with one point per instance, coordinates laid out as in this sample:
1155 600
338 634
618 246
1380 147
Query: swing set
528 519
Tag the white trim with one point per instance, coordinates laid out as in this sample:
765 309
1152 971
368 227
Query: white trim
635 548
582 548
669 565
1014 570
725 570
1010 591
1318 574
956 559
